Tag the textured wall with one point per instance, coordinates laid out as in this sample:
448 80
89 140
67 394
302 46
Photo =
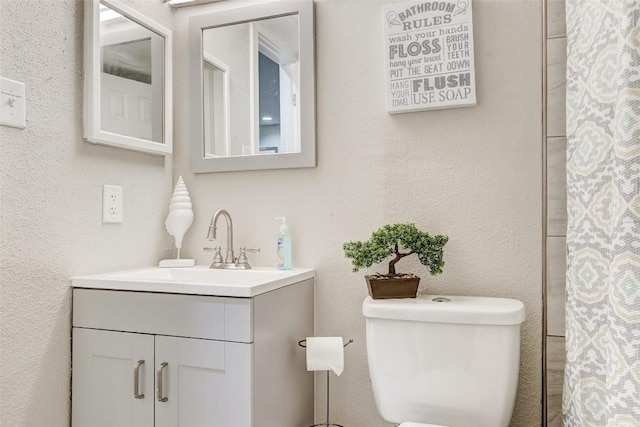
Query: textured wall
52 227
474 174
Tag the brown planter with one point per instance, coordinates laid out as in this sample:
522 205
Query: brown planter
392 288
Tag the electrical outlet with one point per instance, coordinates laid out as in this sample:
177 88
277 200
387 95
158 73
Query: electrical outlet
111 204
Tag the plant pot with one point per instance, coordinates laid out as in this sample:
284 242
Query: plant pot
395 287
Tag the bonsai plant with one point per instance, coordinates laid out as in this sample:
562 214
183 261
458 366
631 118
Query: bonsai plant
397 241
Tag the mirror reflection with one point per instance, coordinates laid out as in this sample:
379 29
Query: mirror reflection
259 63
131 77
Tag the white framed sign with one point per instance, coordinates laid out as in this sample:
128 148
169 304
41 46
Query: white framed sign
429 55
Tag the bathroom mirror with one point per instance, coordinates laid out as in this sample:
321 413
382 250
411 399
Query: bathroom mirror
127 79
253 88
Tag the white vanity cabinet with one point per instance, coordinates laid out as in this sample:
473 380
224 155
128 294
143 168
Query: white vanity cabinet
145 359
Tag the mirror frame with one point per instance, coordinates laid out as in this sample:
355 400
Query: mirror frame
92 68
307 155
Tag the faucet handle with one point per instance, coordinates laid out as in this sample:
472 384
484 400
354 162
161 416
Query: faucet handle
242 258
244 249
217 257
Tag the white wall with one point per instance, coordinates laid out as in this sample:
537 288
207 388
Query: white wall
51 201
474 174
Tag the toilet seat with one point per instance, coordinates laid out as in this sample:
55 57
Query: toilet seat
419 425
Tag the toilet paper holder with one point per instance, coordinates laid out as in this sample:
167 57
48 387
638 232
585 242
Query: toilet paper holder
303 344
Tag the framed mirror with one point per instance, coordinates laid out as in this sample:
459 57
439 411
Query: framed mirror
127 79
253 87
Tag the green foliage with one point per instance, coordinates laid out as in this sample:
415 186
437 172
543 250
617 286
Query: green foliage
393 240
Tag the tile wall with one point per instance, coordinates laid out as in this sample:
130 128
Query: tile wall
556 206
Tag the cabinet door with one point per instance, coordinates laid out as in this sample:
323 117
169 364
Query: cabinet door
205 383
104 379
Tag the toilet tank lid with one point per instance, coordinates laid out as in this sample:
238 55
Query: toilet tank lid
464 310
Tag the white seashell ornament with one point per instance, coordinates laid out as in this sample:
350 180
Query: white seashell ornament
179 220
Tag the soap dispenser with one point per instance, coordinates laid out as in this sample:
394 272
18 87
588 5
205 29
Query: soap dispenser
284 245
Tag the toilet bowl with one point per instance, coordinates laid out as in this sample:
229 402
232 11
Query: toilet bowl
444 361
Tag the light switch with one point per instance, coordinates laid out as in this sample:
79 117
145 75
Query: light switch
12 103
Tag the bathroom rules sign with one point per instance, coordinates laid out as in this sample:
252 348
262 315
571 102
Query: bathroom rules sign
429 55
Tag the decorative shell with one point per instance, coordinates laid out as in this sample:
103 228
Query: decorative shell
180 215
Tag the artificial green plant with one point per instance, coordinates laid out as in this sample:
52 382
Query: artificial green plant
397 240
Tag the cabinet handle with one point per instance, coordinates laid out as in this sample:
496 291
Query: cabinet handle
136 380
159 382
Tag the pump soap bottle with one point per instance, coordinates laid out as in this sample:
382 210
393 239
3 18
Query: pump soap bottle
284 245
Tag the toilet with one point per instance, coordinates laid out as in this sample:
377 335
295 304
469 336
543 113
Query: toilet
444 361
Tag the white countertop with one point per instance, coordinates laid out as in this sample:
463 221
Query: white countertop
198 280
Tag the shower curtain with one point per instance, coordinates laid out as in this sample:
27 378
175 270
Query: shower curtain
602 371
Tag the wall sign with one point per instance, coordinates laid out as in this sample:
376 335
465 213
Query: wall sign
429 55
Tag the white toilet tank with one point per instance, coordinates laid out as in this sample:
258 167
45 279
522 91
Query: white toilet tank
453 363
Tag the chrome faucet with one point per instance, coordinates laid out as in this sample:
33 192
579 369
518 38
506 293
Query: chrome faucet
230 261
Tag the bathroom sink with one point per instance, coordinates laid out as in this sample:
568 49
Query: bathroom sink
201 275
198 280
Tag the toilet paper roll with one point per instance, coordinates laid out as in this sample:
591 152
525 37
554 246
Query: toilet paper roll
325 354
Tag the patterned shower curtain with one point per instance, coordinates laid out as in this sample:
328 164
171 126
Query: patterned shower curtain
602 372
